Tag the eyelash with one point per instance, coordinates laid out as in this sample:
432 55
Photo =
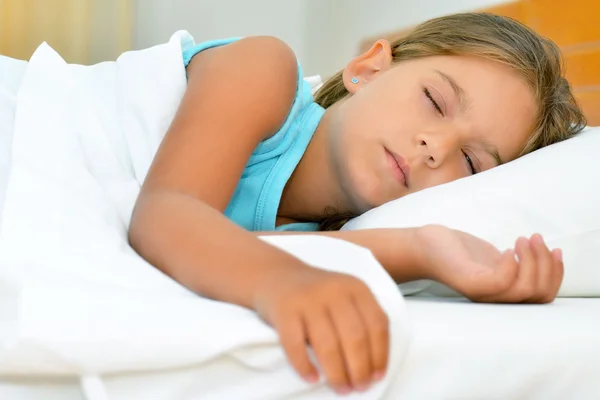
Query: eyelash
470 162
433 102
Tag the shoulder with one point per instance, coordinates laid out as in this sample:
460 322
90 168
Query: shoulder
260 72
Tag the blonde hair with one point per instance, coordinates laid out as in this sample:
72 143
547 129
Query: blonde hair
535 58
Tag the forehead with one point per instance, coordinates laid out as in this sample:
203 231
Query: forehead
501 107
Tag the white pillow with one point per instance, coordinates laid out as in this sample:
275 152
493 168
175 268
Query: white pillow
554 191
315 82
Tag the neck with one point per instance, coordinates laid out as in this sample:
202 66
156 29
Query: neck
313 192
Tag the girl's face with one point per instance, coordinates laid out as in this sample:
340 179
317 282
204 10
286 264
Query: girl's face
424 122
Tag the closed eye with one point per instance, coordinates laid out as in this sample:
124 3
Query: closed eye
432 100
470 163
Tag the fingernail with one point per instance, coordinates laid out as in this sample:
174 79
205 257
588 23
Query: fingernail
377 376
558 255
311 378
361 387
343 390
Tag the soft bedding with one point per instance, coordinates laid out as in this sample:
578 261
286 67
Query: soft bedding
459 351
83 316
11 74
471 351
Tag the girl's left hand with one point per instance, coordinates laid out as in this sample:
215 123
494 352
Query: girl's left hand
482 273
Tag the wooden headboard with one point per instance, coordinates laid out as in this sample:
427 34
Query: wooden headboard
575 26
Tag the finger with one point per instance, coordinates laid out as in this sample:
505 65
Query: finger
354 341
495 291
377 324
293 337
526 286
323 338
545 270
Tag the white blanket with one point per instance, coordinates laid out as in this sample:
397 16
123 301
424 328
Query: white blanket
75 299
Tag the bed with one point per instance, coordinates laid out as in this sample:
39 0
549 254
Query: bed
81 317
460 351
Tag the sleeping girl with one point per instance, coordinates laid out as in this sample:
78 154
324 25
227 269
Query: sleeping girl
251 152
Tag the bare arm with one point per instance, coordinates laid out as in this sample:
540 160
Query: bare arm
237 95
469 265
394 248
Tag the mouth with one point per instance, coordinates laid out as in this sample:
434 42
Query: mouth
399 167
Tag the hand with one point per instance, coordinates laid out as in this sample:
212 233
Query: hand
337 315
481 273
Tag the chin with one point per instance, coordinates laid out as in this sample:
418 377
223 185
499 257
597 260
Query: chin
363 178
366 191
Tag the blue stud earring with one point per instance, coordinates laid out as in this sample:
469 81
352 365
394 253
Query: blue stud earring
354 80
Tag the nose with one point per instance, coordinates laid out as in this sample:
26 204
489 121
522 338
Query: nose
436 147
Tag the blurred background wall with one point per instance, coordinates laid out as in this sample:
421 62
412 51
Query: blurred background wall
325 34
82 31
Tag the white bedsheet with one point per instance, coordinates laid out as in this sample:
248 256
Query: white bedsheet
460 351
472 351
11 73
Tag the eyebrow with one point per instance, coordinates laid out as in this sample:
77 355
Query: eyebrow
463 98
493 151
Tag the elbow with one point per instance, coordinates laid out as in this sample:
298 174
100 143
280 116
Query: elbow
153 227
133 233
140 231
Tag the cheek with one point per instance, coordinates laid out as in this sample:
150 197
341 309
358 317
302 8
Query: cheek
414 111
389 105
392 101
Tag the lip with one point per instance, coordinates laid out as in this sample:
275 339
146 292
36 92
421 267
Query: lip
399 166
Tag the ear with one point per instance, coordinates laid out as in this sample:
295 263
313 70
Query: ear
366 67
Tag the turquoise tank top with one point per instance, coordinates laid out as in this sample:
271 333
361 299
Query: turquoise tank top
257 196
